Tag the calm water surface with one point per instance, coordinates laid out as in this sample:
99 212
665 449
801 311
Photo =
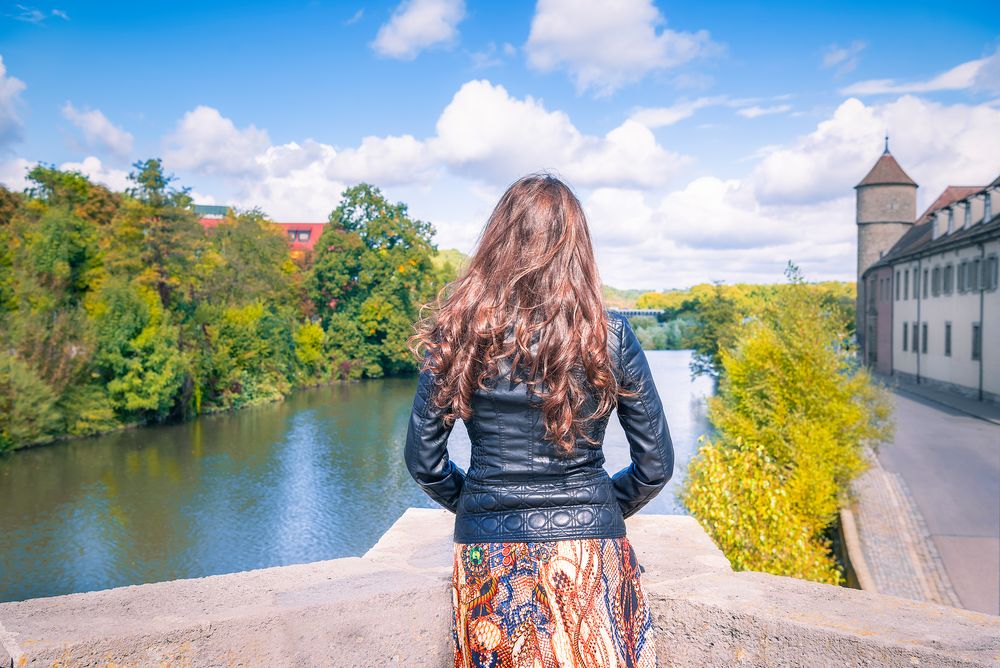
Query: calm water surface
316 477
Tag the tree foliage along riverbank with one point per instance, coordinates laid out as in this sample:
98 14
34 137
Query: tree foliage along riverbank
792 415
700 318
119 309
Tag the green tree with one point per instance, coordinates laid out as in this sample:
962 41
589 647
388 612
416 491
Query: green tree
28 412
246 259
372 271
252 356
137 351
716 320
156 237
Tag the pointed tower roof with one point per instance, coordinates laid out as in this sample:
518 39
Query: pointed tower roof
887 172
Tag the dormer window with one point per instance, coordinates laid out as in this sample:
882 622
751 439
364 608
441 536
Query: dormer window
987 209
951 220
968 213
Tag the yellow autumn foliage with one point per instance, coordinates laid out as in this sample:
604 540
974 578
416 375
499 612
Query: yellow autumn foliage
793 414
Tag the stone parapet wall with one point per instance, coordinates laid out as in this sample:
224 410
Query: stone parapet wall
392 607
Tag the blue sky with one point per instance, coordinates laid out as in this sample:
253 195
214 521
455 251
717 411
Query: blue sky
708 141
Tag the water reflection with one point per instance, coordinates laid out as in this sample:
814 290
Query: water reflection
318 476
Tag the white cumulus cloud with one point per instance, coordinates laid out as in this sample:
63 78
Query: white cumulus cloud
13 173
416 25
207 142
98 131
484 133
10 99
604 45
830 160
98 172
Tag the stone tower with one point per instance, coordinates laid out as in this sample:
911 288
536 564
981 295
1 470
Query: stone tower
886 209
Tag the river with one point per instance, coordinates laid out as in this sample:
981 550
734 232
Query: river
317 476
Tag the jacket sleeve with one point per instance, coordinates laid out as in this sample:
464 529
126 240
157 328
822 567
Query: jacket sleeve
426 451
645 424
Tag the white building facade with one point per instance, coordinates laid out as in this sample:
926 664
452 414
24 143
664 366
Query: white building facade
929 305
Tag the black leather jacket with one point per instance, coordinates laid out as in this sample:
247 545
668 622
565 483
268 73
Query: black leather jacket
519 487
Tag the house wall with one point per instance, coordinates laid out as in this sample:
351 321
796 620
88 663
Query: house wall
957 371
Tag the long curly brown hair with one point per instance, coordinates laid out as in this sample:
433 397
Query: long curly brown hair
530 294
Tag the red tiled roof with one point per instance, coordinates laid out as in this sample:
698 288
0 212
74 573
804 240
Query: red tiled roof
886 172
948 196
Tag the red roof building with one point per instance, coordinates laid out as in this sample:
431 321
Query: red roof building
301 236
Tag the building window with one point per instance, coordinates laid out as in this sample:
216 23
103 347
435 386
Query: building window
923 338
987 209
936 281
972 274
977 340
906 284
897 285
961 276
991 273
925 284
948 279
947 339
906 333
916 337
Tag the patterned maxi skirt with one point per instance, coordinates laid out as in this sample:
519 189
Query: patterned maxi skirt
576 602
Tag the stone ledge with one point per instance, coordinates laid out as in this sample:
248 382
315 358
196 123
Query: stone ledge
392 607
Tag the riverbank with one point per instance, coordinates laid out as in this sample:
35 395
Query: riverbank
67 438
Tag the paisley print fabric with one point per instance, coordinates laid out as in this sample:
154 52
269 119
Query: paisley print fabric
575 602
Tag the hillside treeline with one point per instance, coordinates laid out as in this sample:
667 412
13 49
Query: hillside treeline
119 308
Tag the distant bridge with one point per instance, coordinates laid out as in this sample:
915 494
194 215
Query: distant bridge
633 312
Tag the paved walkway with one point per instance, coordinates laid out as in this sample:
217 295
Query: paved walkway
984 410
928 510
